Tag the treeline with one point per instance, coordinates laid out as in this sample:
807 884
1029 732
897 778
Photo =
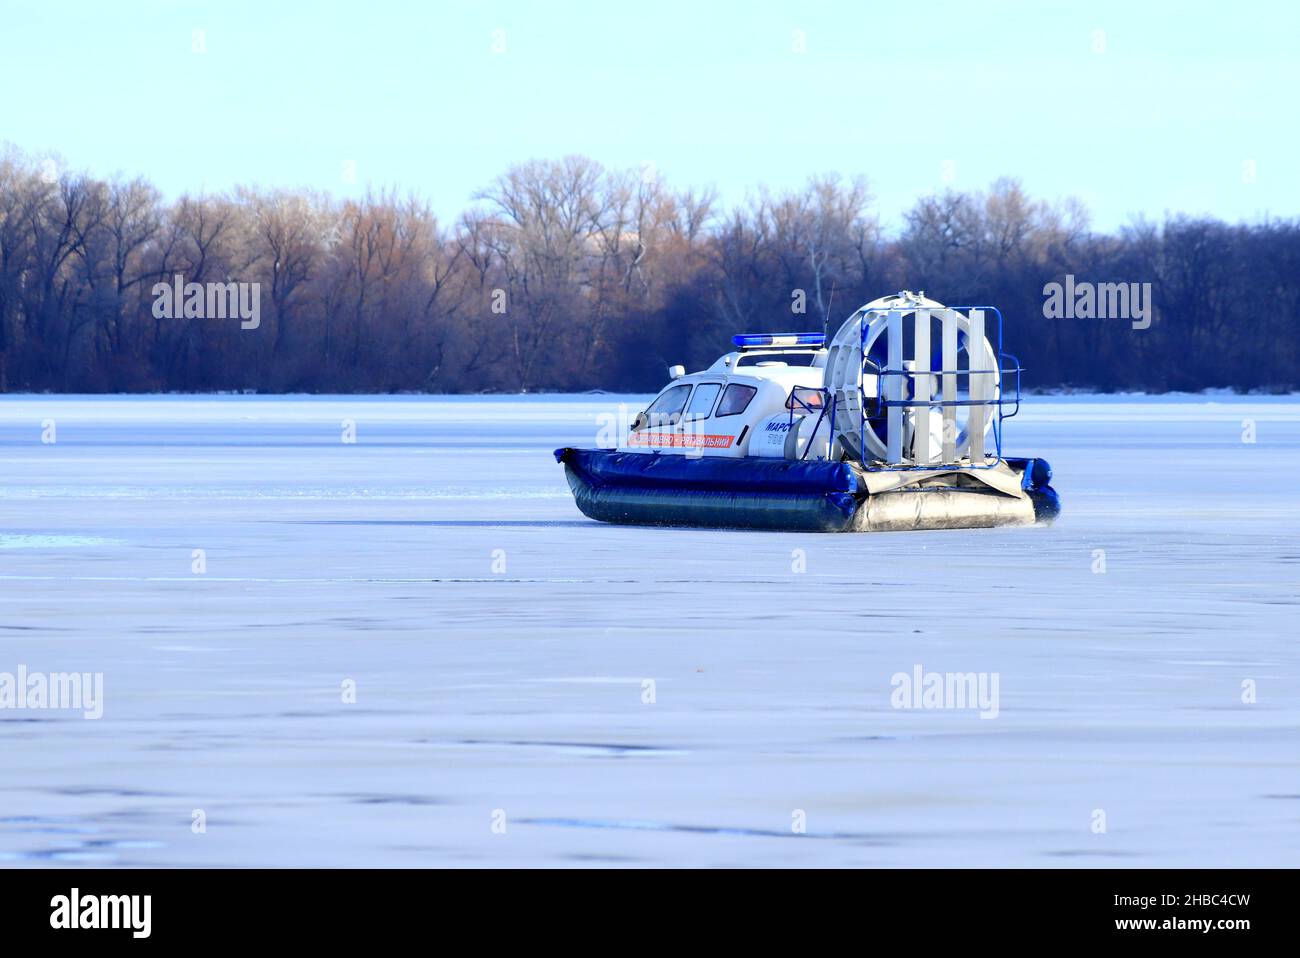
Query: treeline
567 276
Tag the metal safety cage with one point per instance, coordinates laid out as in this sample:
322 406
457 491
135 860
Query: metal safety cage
1006 366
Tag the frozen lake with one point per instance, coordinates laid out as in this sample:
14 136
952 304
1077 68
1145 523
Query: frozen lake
503 648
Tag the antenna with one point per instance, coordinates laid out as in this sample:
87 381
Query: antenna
826 321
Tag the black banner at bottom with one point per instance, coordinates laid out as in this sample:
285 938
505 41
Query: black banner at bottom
334 907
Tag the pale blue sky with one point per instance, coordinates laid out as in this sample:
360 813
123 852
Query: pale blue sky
1159 112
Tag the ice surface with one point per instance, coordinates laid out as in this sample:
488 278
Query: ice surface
521 690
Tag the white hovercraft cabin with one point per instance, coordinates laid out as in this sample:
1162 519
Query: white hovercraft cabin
736 407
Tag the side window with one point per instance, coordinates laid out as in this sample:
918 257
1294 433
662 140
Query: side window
667 409
702 402
805 399
735 400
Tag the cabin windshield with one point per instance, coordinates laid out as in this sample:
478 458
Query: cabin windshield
667 409
702 402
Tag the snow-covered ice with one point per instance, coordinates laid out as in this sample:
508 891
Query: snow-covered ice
500 645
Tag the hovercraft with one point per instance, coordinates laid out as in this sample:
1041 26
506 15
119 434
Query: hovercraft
894 425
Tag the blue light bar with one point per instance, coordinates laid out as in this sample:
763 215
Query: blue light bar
750 340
